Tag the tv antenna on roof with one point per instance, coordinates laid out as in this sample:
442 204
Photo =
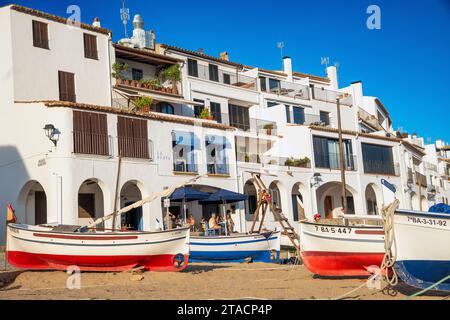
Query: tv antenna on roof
124 16
325 61
280 46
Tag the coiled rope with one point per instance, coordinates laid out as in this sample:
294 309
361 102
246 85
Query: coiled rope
390 256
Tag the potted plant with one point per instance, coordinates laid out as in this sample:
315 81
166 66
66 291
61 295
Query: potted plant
268 127
205 114
118 70
143 104
173 75
155 84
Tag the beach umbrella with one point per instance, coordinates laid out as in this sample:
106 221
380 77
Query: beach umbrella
185 194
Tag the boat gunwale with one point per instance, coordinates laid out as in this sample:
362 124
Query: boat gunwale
237 236
336 225
115 233
435 215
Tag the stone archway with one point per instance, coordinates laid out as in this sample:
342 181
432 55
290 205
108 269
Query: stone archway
90 201
252 200
298 206
33 199
371 200
130 193
329 197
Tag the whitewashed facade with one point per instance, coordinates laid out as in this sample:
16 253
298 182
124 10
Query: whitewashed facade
280 123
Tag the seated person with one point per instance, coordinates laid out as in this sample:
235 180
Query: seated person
203 224
230 222
191 222
213 224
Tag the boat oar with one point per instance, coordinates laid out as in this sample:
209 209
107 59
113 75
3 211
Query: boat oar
165 193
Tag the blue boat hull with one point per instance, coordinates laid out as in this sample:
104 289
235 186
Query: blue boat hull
236 248
424 273
232 256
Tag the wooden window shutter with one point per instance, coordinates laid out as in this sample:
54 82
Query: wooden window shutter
90 46
90 133
66 82
40 34
133 138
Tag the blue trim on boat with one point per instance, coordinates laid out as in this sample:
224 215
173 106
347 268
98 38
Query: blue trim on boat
424 273
232 256
228 243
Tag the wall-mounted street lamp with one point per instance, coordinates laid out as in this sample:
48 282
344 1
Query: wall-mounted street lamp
52 133
316 179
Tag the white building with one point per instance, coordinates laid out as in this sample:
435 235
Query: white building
279 122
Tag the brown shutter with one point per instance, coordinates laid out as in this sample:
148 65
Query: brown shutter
90 133
132 137
90 46
66 82
40 34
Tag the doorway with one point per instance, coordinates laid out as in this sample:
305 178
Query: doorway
328 206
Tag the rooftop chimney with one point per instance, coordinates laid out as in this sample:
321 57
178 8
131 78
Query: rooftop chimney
333 76
224 56
287 67
200 50
96 22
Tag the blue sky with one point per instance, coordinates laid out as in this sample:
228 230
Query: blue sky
406 63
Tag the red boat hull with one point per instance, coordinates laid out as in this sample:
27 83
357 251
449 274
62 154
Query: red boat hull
162 262
341 263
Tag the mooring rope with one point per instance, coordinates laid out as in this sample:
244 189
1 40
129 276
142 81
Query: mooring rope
390 256
428 288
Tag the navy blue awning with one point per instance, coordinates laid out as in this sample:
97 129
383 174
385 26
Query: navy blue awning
188 194
224 196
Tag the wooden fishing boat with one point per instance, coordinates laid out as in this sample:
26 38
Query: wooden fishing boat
422 240
262 247
337 249
42 247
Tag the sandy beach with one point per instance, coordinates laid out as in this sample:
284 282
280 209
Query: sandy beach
197 281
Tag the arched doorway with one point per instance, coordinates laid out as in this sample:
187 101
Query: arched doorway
275 195
34 200
252 200
130 193
298 207
90 202
371 200
329 197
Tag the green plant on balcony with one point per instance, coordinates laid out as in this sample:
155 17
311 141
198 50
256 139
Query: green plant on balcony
205 114
118 70
143 104
173 75
268 127
301 162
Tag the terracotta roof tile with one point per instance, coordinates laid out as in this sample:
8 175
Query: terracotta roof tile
151 115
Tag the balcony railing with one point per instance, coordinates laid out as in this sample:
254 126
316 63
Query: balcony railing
92 143
326 95
331 160
228 78
132 147
272 160
218 168
182 165
381 168
290 89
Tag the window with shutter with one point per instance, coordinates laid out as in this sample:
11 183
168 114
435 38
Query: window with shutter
213 72
66 86
40 34
192 68
90 133
133 138
90 46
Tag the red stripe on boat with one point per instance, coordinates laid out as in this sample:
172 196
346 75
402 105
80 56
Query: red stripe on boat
62 236
159 262
328 263
369 232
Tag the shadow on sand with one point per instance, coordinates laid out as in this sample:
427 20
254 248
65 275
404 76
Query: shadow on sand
7 278
200 268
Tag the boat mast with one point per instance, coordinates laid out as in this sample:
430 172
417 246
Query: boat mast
341 156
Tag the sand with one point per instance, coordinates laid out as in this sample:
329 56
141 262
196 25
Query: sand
197 281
